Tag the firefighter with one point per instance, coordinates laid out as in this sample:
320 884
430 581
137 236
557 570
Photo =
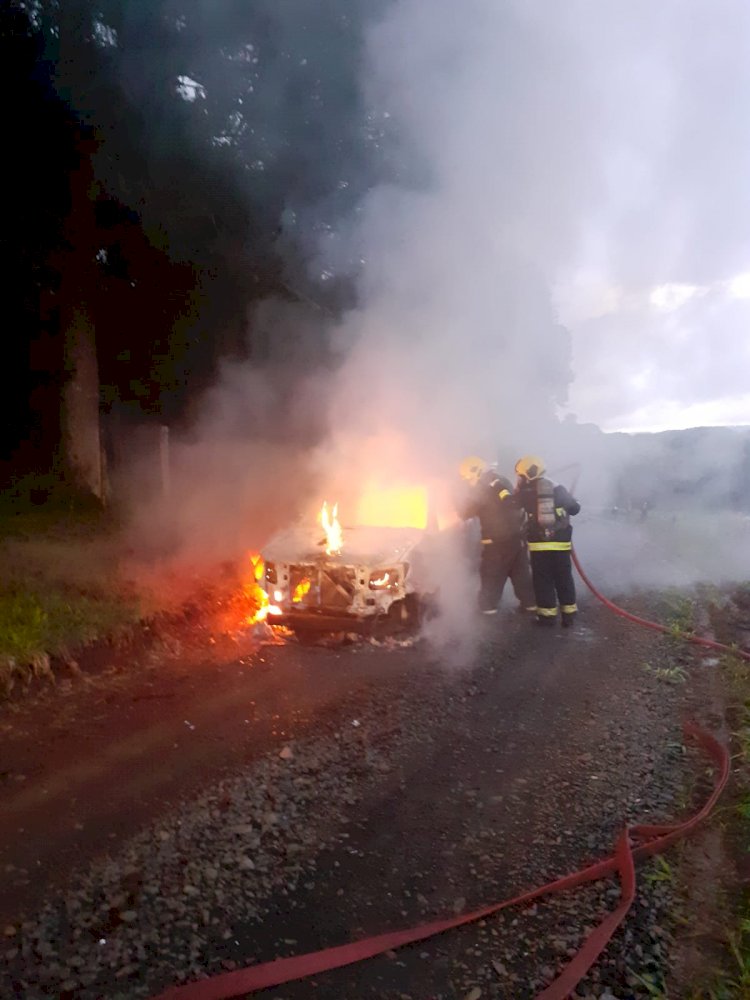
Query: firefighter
501 520
549 533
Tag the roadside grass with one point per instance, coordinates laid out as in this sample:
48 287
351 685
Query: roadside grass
732 980
654 987
42 504
661 871
674 674
680 618
727 973
677 611
59 583
739 945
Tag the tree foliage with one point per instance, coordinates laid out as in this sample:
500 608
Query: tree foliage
160 149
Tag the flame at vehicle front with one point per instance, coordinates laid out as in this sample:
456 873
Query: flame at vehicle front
257 598
334 540
301 591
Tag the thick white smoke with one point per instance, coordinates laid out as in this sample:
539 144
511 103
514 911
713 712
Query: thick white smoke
558 171
538 145
542 146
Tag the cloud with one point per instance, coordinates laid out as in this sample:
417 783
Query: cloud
739 286
669 297
652 366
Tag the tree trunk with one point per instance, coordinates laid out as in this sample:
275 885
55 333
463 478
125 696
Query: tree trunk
81 439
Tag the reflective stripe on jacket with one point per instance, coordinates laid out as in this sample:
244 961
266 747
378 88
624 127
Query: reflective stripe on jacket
550 546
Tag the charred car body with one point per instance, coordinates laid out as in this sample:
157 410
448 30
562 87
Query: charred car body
381 574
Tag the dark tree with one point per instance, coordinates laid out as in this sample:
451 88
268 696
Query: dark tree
42 138
173 164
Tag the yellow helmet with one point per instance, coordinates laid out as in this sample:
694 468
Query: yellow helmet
531 467
471 469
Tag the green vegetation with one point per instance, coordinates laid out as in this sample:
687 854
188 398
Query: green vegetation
660 871
677 611
673 675
739 945
37 625
725 971
732 981
38 503
680 612
654 988
59 589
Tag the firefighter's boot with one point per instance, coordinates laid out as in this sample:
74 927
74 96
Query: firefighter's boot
546 621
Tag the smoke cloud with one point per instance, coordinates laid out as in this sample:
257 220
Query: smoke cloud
538 145
549 176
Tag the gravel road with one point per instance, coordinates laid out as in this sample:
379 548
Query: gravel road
175 821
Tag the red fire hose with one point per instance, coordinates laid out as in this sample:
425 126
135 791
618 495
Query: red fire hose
634 844
697 640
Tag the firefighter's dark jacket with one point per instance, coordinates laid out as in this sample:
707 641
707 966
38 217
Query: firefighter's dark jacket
566 506
500 515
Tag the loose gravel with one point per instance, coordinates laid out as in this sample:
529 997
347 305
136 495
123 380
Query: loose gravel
450 792
159 911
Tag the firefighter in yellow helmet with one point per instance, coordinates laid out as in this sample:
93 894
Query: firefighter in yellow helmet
490 499
549 532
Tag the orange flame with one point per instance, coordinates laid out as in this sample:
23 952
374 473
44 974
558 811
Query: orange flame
256 595
302 588
334 532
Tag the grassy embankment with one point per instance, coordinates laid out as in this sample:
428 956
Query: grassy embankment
715 882
709 873
734 619
59 584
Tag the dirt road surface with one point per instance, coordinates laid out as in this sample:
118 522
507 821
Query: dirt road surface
175 820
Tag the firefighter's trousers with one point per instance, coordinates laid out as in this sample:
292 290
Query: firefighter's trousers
553 583
501 560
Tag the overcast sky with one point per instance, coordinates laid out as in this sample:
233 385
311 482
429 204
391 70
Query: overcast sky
601 148
670 356
657 291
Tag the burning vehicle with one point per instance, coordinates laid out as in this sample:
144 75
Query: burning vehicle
330 577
